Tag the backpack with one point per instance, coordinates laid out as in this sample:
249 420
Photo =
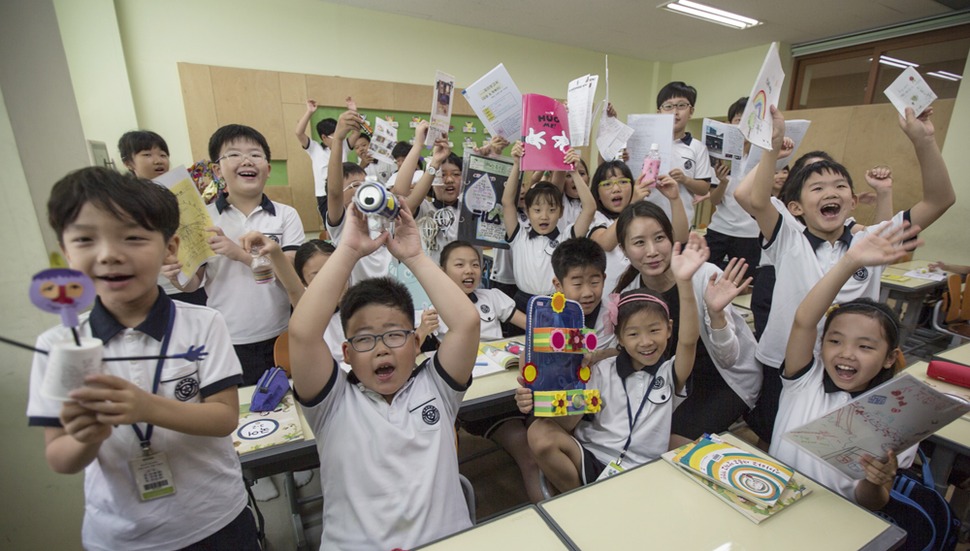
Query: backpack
915 506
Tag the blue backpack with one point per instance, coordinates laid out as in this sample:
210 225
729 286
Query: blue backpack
915 506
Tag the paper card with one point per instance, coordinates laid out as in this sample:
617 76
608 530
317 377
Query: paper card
444 92
794 129
579 97
383 141
910 90
651 129
545 133
612 135
893 416
194 218
723 140
498 103
756 119
483 182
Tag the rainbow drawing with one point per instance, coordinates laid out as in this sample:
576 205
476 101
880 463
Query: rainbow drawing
760 103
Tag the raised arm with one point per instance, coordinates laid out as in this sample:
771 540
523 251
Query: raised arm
938 195
720 291
348 121
439 154
510 196
685 262
402 185
678 213
759 204
585 218
461 316
880 179
300 130
882 246
722 171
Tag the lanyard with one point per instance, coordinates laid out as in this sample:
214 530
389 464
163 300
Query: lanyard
629 413
146 437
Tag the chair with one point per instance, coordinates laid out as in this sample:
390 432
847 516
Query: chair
469 492
281 352
951 315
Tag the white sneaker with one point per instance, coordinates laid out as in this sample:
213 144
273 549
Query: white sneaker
302 478
265 490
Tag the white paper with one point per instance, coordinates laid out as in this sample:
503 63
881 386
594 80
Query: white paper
651 129
794 129
756 119
579 98
383 141
443 96
607 61
723 140
924 274
895 415
910 90
612 136
498 103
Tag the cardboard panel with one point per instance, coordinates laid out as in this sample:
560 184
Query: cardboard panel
293 88
280 194
300 172
200 108
250 97
326 90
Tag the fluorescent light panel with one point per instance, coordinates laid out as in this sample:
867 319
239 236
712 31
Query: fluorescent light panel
893 64
892 60
710 14
945 75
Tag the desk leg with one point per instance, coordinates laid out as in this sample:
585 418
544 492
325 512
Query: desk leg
909 318
940 466
295 517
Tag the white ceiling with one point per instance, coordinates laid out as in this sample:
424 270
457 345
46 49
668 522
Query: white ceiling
638 29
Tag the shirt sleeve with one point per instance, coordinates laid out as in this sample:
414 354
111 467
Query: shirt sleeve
293 235
504 306
702 165
41 411
220 369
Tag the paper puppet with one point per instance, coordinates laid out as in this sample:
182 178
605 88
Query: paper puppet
556 340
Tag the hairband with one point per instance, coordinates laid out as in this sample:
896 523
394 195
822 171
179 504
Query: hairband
615 301
849 306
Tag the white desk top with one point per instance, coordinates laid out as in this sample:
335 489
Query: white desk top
657 507
958 431
910 283
522 529
960 354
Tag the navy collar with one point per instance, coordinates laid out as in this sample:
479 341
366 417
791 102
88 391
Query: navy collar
222 203
553 235
104 326
472 297
687 138
624 366
816 241
590 320
438 204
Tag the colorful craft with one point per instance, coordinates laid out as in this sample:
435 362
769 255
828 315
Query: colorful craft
205 180
556 339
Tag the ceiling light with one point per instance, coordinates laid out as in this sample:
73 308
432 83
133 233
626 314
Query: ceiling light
710 14
945 75
893 64
897 61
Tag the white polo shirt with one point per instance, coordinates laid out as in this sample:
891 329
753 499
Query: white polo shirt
800 260
502 271
333 335
730 218
376 264
445 218
389 472
616 261
254 312
208 480
494 309
691 156
605 434
320 161
571 208
380 170
532 258
805 397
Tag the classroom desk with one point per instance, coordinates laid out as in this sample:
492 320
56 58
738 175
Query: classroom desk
523 528
656 507
952 440
908 293
960 354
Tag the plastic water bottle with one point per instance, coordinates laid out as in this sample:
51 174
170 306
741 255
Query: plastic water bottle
651 164
262 267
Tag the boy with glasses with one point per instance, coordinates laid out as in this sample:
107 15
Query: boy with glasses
691 163
385 431
256 313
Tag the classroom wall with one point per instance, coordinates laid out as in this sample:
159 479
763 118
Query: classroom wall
947 238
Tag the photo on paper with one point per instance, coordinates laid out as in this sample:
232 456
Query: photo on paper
483 182
383 142
723 141
444 91
910 90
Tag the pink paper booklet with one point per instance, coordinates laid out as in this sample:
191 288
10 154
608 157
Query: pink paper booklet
545 133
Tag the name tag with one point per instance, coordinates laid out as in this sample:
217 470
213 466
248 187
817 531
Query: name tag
612 469
153 476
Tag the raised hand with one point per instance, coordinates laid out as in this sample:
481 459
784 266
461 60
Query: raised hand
405 245
722 289
220 244
884 245
918 128
880 177
668 187
347 122
263 244
687 259
641 189
311 105
440 151
787 147
777 128
356 235
518 150
421 133
571 157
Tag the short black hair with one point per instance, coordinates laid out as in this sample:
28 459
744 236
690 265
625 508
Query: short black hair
803 160
453 160
737 108
125 196
352 168
307 251
578 252
450 248
232 132
135 141
326 127
602 172
791 190
677 89
546 191
401 150
383 291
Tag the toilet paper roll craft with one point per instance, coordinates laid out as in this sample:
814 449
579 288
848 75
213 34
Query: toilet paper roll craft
556 339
